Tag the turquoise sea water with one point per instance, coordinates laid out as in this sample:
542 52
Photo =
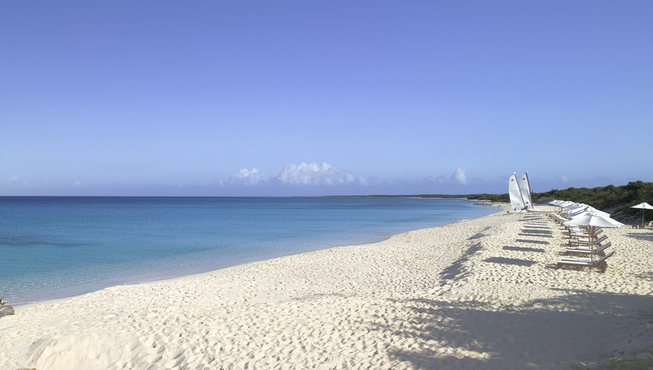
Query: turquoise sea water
53 247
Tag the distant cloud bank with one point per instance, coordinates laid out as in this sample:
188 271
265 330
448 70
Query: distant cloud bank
316 177
304 173
458 177
247 177
296 179
317 174
12 180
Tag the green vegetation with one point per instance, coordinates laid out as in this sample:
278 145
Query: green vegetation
491 197
631 363
577 366
613 199
617 199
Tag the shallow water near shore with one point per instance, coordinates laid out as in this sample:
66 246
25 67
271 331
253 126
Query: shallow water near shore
54 247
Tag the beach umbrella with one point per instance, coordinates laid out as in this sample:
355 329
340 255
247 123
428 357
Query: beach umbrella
643 206
576 206
576 210
571 207
592 220
555 203
587 208
598 211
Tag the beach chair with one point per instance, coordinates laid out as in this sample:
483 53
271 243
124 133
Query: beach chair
586 241
559 219
583 261
588 249
574 231
556 217
580 238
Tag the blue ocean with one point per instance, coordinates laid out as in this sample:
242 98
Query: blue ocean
54 247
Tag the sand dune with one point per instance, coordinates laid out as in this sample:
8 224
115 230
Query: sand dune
482 293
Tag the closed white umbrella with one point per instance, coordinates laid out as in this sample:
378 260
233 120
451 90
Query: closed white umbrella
643 206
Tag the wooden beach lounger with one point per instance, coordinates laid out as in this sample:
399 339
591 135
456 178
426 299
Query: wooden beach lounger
588 250
582 261
586 241
559 219
582 233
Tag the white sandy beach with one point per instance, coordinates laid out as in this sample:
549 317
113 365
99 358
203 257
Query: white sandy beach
482 293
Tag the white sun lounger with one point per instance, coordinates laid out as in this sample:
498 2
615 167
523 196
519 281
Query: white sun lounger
582 233
559 219
586 241
582 261
588 250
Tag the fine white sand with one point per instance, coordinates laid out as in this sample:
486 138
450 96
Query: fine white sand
483 293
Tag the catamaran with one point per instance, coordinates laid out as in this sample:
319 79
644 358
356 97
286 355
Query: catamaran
516 198
525 188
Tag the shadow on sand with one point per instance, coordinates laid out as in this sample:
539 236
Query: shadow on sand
646 276
537 231
473 335
532 241
455 270
510 261
642 236
523 249
537 235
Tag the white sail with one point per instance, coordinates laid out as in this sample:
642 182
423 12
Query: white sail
525 187
516 200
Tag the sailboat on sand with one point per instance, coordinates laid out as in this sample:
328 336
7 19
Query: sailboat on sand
520 194
525 188
516 199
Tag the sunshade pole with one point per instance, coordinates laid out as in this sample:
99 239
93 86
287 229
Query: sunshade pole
591 245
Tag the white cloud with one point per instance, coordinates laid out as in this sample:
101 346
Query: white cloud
563 178
460 175
13 180
248 177
304 173
440 179
317 174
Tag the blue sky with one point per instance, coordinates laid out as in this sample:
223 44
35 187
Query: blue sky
317 97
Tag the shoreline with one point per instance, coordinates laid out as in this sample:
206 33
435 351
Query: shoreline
464 295
150 278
